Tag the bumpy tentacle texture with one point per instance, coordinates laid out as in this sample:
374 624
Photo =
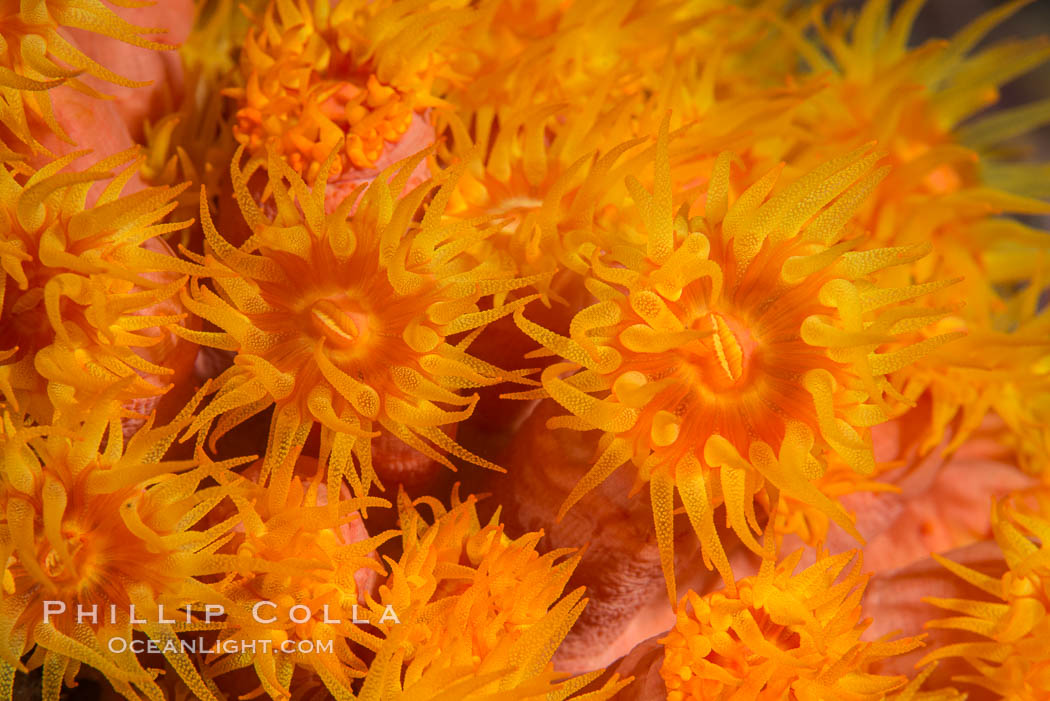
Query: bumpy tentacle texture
35 57
93 522
951 180
729 352
81 286
780 635
344 321
480 614
1009 621
352 77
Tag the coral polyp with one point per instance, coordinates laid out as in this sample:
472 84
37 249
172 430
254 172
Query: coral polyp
725 346
542 181
319 78
85 288
482 613
311 553
952 180
92 527
1007 654
344 321
780 635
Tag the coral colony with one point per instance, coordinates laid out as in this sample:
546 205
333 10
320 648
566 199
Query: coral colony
520 350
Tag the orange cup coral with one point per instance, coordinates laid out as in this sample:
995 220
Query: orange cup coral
86 290
352 79
724 345
1011 660
952 179
98 538
481 613
343 320
302 570
780 635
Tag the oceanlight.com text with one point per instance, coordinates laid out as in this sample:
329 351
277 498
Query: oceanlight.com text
227 647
